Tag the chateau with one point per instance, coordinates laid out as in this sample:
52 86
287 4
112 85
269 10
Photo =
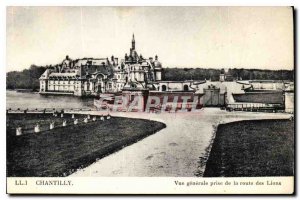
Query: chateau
92 76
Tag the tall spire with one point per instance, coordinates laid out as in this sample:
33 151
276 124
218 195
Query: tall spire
133 42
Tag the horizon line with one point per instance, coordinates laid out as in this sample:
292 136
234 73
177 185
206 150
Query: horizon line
177 67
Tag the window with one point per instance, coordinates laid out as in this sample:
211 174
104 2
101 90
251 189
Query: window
186 88
131 97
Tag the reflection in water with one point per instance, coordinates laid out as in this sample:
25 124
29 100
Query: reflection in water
16 100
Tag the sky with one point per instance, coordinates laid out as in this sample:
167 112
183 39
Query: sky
209 37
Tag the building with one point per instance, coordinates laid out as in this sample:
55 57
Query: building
80 77
214 95
137 69
92 76
225 75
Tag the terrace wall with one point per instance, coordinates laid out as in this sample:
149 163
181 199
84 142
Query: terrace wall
260 97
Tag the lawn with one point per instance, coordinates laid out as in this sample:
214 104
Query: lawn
63 150
252 148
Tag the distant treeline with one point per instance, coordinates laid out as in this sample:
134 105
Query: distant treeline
29 78
180 74
26 79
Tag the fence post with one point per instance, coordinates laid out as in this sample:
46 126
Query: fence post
52 125
19 131
37 128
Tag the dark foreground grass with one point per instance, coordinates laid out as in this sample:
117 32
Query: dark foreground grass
59 152
252 148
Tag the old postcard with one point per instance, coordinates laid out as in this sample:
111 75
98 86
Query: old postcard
150 100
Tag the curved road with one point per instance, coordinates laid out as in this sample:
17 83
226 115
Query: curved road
181 149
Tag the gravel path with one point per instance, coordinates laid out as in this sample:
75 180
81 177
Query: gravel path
181 149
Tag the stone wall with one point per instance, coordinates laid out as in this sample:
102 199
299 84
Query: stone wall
289 102
260 97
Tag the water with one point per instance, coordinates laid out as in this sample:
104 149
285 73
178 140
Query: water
34 100
20 100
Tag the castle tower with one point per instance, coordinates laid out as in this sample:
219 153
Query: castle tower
133 42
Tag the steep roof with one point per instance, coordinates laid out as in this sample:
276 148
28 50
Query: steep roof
91 61
63 74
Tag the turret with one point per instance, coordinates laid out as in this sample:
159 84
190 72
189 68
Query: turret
133 42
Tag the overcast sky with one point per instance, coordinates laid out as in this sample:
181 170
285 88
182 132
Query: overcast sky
212 37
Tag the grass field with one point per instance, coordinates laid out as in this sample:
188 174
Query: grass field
61 151
252 148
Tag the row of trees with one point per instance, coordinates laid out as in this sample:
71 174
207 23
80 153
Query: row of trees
180 74
26 79
29 78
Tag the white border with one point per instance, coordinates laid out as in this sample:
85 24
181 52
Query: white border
5 3
150 3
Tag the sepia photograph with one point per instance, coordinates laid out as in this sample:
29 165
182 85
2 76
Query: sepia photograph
150 100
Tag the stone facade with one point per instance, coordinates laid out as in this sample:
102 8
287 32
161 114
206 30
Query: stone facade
225 76
81 77
92 76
